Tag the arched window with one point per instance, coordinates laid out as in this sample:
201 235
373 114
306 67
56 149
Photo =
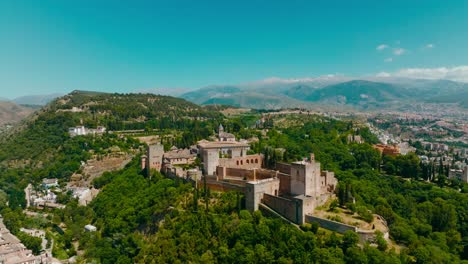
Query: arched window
256 160
248 161
237 162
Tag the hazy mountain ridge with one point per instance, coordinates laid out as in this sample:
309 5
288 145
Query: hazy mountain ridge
36 99
375 92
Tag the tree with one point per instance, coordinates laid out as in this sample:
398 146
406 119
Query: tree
380 240
350 239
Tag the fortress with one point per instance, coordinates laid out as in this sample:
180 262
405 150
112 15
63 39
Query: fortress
291 190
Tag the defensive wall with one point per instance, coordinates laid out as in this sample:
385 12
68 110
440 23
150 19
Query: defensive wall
329 224
285 207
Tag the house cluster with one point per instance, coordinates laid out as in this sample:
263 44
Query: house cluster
459 174
291 190
43 196
83 131
458 167
12 251
175 162
430 146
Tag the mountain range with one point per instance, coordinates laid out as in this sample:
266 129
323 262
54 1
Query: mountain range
327 92
367 93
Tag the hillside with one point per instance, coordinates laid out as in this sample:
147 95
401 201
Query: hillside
11 113
41 135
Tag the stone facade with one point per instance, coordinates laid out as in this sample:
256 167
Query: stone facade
212 152
154 157
254 191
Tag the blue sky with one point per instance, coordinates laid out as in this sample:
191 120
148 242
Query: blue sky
121 46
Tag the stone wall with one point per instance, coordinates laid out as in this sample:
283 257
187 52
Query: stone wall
223 186
285 207
330 225
224 173
285 183
283 167
243 162
240 173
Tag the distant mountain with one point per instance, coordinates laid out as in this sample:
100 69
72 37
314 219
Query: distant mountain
239 97
358 93
300 91
460 98
205 94
332 91
11 113
36 99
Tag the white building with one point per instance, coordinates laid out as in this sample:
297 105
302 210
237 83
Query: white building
90 228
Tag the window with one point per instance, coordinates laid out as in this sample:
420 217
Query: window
248 161
256 160
237 162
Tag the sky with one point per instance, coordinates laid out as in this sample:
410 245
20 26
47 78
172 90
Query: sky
121 46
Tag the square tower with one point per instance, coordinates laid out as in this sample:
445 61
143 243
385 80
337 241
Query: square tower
305 178
155 156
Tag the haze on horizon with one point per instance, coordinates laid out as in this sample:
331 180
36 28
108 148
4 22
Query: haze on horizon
59 46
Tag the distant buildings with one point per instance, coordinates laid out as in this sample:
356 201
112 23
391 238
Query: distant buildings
12 251
83 131
461 175
387 149
50 183
355 139
434 146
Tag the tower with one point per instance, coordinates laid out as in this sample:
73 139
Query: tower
220 131
305 177
154 157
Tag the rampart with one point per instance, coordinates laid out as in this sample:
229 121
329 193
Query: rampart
285 207
224 186
330 225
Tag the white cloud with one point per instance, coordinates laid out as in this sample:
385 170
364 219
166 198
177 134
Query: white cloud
429 46
399 51
457 73
388 59
383 74
382 47
298 80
